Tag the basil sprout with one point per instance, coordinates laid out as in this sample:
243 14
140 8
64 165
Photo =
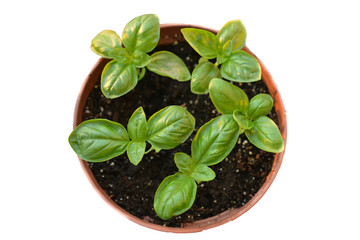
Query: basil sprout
140 36
236 65
99 140
213 141
250 116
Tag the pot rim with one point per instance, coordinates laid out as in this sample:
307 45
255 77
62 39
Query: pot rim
224 217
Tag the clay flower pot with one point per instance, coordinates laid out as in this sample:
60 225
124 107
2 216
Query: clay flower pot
167 33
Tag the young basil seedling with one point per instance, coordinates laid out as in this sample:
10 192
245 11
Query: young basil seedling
236 64
214 141
251 116
211 144
140 36
99 140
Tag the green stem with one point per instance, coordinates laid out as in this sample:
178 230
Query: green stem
152 148
141 73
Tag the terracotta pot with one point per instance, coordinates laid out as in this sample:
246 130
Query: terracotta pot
167 33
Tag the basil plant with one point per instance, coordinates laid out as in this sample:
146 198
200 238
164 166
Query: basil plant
98 140
129 56
236 64
214 141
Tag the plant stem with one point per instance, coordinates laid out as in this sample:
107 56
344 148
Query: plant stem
152 148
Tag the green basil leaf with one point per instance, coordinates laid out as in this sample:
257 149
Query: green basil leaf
140 59
225 52
135 151
203 173
169 65
241 67
242 120
201 77
175 195
170 127
265 135
99 140
226 97
215 140
184 163
117 79
137 125
202 41
202 59
142 33
234 31
122 55
260 105
105 43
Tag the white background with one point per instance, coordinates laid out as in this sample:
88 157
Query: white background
311 48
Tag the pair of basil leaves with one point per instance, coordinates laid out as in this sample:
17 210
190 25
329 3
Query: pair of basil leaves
140 36
236 64
214 141
99 140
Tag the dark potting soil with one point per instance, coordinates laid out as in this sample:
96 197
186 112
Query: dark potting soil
238 177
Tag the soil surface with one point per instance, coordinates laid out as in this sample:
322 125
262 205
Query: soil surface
238 177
